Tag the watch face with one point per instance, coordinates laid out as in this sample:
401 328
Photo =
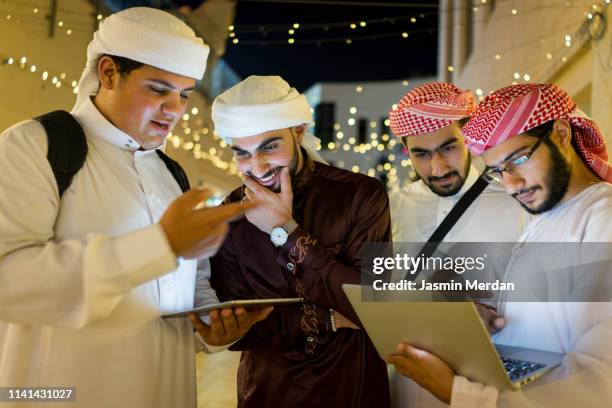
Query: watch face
278 236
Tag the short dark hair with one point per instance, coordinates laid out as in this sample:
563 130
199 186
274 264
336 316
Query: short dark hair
124 65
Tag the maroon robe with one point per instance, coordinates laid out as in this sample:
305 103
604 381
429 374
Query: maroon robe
293 358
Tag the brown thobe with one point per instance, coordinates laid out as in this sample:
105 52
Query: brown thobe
293 358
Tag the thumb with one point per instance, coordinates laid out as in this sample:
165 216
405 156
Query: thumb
286 182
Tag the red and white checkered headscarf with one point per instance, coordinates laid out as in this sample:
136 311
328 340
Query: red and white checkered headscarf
430 107
517 109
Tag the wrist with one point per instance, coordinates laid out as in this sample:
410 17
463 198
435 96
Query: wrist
280 234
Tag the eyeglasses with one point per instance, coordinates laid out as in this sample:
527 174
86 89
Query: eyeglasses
496 173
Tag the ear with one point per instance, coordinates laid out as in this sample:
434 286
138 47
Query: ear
299 132
107 72
562 131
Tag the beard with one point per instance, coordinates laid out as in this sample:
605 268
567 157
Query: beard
556 182
454 188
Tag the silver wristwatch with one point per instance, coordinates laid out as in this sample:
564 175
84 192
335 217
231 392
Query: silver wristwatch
279 235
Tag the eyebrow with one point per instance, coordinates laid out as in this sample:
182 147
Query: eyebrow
444 144
169 85
261 146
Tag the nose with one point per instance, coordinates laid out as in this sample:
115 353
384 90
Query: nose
173 105
259 167
512 182
439 166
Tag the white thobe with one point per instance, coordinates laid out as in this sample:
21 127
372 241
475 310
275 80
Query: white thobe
416 212
84 279
583 331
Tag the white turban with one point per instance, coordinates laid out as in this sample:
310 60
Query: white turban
259 104
146 35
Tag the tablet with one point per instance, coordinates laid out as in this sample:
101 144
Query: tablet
248 304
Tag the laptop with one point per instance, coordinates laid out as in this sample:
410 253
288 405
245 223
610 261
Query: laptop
454 332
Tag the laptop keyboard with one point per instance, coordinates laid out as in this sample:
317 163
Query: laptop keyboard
519 368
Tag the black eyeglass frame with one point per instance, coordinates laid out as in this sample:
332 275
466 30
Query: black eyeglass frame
496 173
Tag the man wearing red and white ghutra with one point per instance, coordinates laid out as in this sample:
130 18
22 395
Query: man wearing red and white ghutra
428 119
551 158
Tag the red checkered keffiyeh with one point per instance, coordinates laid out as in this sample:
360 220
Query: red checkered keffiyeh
430 107
516 109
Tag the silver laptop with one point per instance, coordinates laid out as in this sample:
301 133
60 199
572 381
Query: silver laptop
454 332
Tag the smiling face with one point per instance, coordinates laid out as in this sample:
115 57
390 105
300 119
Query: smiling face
263 156
441 159
146 103
540 182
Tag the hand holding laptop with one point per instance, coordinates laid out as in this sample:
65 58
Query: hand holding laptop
493 321
426 369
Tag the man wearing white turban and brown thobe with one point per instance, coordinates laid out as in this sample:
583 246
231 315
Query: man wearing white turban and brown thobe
303 240
85 275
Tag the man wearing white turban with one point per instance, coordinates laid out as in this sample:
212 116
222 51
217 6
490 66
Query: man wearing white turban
302 240
85 275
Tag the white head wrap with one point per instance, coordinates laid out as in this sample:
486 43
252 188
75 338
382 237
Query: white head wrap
146 35
259 104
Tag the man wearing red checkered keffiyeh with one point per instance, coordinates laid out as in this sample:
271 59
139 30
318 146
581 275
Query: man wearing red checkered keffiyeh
576 148
553 160
428 119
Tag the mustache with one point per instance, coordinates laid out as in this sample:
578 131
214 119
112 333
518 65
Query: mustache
439 178
525 190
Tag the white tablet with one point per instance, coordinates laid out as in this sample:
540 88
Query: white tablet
248 304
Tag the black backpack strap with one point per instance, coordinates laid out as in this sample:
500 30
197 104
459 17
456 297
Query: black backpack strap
177 171
451 219
67 146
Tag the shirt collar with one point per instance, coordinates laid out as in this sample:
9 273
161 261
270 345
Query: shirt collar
97 125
